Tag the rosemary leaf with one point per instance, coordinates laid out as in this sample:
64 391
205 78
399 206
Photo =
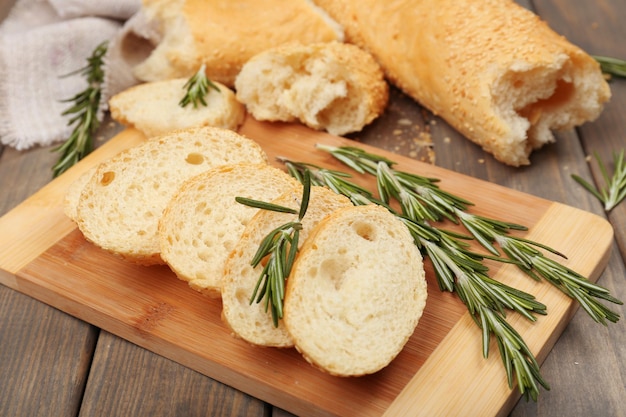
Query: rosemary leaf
84 113
611 66
279 248
197 88
614 190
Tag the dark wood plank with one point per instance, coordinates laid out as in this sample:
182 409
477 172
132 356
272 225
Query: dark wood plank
45 354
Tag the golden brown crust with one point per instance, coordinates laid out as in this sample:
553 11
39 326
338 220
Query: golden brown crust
224 34
452 56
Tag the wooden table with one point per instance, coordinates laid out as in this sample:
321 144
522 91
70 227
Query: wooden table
52 364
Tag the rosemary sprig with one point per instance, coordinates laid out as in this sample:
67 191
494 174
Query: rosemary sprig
84 113
279 249
458 270
197 88
485 230
614 190
611 66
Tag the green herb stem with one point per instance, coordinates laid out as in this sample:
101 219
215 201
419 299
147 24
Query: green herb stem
83 112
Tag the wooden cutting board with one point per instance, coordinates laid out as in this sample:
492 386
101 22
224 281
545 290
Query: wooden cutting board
441 370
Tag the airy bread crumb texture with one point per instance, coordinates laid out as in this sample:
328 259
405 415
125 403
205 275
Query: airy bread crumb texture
202 222
153 108
251 322
329 86
356 293
121 204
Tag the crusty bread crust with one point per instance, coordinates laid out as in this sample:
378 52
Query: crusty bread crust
251 322
202 222
153 108
329 86
121 204
356 292
224 34
490 68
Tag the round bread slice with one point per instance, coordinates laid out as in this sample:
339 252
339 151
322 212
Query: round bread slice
202 223
120 206
356 292
251 322
329 86
153 108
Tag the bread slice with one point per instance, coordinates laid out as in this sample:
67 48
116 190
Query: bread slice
356 292
153 108
224 34
329 86
120 206
72 195
492 69
203 222
251 322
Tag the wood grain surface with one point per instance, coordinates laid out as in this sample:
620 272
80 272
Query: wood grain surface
49 260
52 363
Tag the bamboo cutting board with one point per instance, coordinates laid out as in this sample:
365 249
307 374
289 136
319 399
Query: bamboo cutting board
441 370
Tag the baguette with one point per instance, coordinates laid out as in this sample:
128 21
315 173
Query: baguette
251 322
121 204
202 222
224 34
329 86
356 292
492 69
153 108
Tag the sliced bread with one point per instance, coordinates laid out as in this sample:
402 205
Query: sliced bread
72 195
202 223
251 322
121 204
329 86
153 108
356 292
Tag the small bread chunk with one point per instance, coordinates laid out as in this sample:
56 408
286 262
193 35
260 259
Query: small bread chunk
202 223
251 322
153 108
356 292
120 206
328 86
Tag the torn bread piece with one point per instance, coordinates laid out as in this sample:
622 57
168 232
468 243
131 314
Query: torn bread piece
329 86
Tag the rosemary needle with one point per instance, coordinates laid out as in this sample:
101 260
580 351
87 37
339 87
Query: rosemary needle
611 66
197 88
279 249
614 190
84 113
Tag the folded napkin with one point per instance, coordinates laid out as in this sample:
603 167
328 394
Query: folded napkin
41 42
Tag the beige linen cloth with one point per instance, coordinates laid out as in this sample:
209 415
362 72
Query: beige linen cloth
41 42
